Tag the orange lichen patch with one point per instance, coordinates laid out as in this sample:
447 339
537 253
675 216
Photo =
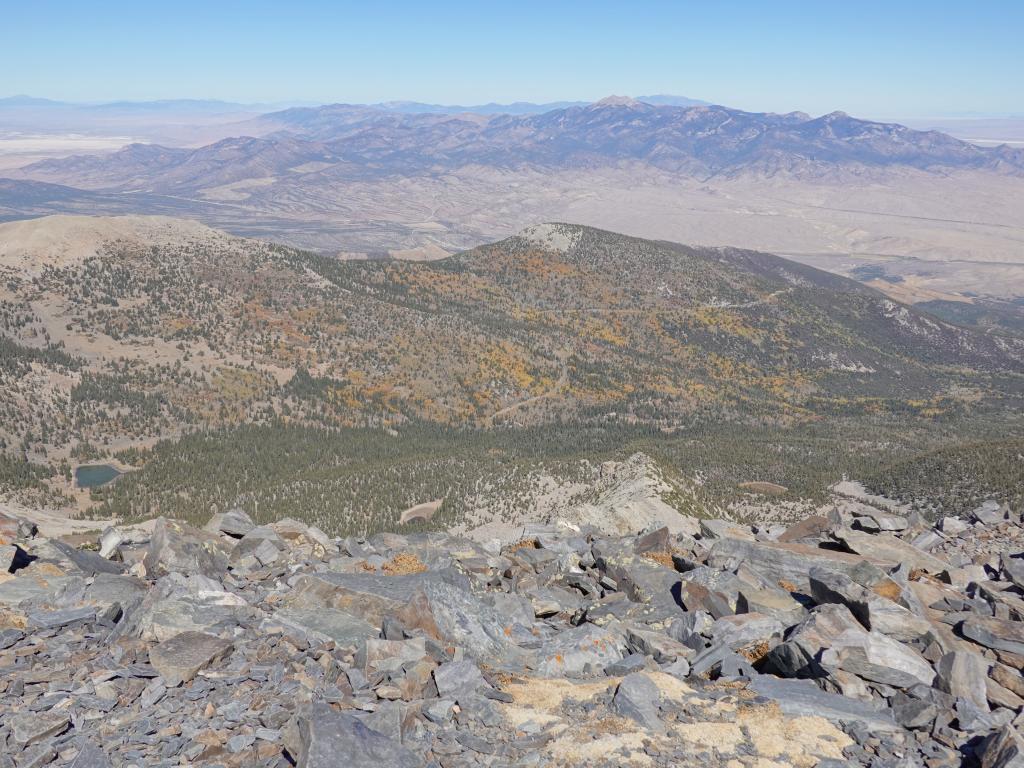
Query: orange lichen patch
888 589
523 544
754 653
789 586
661 558
404 563
365 566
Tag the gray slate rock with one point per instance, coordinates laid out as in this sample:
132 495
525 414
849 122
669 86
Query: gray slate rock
803 698
989 512
913 713
89 755
31 728
180 658
163 618
235 523
787 562
632 663
1013 568
326 624
998 634
747 631
37 756
89 563
326 739
8 554
9 637
585 649
963 674
369 596
452 613
55 619
455 679
799 655
637 698
175 546
879 659
889 550
1003 749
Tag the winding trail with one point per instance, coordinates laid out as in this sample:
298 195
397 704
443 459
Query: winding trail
559 386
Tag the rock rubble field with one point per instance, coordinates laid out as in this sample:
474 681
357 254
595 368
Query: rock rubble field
854 637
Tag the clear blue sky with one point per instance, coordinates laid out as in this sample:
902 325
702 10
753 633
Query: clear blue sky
901 57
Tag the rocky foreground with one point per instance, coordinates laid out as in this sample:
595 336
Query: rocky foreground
857 638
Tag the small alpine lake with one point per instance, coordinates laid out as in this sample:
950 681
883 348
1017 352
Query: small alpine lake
95 475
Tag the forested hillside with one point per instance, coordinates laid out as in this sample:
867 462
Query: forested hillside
381 374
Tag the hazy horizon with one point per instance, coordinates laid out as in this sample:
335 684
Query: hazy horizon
269 105
917 59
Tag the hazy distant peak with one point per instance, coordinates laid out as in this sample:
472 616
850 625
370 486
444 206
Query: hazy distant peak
668 100
22 100
619 101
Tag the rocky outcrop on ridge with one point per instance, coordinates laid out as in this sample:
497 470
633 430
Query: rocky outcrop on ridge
860 637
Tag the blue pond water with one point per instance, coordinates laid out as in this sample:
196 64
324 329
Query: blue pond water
94 475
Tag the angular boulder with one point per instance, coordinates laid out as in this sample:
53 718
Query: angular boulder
873 611
637 698
1003 749
457 679
880 659
234 523
963 674
800 654
579 651
801 698
176 547
326 738
752 635
87 562
997 634
788 563
370 596
180 658
889 550
322 624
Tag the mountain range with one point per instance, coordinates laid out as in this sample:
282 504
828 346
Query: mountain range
403 180
218 106
352 142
